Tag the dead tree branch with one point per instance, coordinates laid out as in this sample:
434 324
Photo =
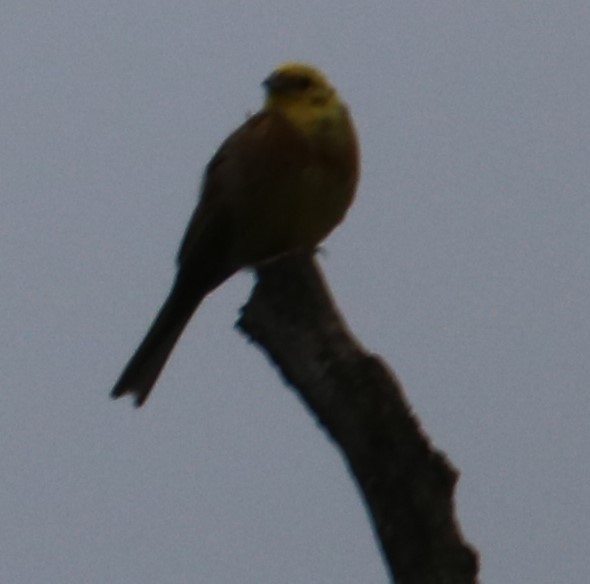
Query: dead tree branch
407 484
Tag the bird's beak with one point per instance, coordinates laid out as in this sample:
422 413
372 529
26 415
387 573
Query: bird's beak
273 83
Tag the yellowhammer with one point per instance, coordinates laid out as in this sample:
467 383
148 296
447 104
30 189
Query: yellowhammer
280 183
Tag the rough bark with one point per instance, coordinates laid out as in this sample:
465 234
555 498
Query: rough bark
406 483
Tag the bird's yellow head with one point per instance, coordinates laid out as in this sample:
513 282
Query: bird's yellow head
304 96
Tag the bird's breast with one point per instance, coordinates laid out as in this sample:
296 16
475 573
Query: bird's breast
290 188
296 212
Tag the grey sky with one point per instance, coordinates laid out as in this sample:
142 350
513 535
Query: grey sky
464 263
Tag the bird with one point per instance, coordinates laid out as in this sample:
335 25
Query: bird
279 184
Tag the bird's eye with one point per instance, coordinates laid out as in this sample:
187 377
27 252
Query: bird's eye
302 82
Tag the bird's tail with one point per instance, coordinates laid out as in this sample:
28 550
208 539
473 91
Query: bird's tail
147 363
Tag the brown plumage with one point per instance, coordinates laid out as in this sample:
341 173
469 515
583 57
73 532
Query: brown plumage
280 183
